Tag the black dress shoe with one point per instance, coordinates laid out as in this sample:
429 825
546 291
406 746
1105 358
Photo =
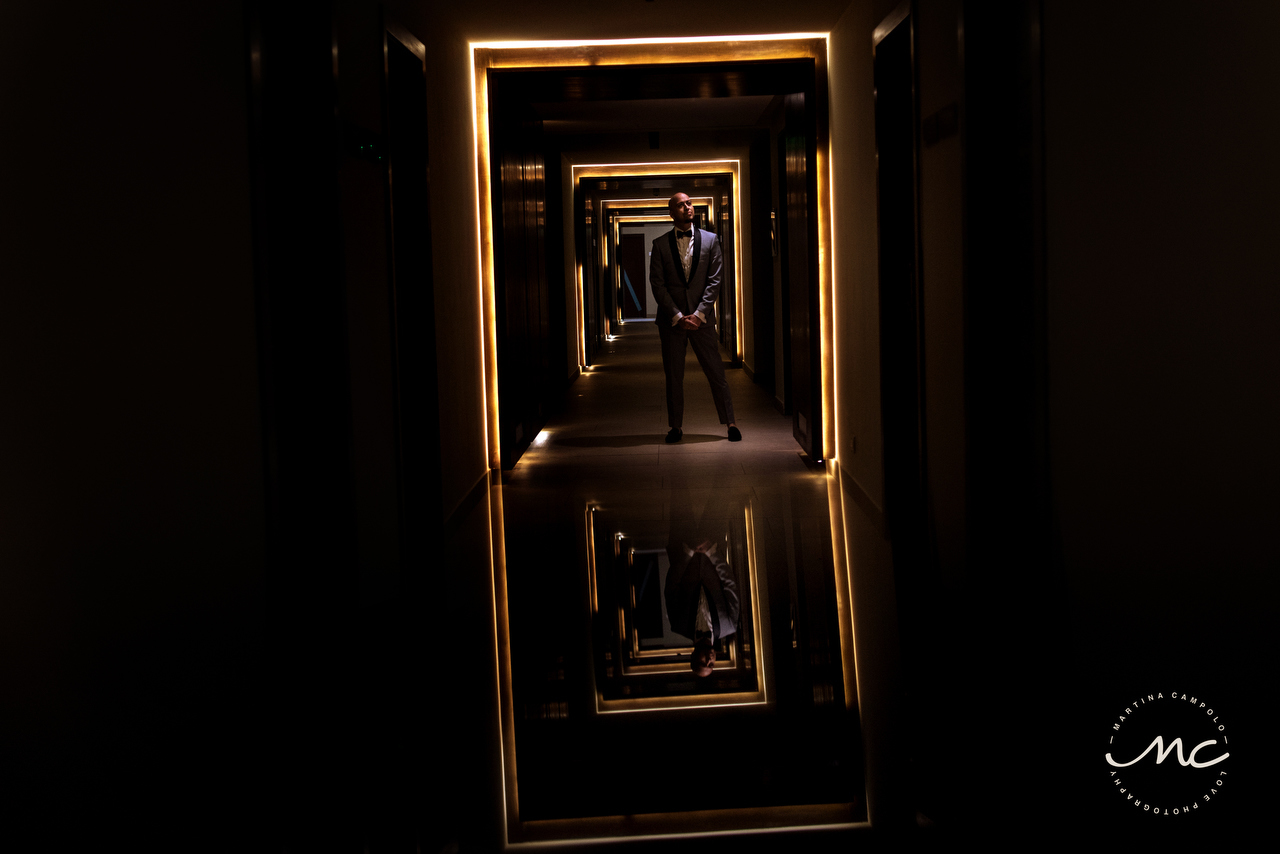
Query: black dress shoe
735 435
674 435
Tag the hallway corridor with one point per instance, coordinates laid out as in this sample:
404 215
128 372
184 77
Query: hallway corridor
616 417
600 728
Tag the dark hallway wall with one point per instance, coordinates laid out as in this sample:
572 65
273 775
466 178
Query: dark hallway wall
170 675
1162 347
1162 270
131 474
1159 380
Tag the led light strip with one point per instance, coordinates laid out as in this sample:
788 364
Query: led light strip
575 52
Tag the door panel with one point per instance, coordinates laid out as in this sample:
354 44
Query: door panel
801 265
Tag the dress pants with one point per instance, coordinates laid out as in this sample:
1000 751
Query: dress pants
707 349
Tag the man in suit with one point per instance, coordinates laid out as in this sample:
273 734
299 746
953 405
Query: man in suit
685 269
702 600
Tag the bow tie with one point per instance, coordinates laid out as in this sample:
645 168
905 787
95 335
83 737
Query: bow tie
684 234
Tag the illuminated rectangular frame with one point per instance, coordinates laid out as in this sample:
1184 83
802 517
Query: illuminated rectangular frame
624 219
647 51
670 167
599 219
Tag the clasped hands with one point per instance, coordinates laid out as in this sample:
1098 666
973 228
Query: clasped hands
690 322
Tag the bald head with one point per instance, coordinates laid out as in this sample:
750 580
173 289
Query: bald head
681 210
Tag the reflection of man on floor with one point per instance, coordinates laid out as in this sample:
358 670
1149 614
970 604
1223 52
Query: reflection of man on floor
702 600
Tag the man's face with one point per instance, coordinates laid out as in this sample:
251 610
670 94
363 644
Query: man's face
681 209
703 658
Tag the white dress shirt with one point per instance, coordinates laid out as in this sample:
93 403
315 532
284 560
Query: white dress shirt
684 245
702 623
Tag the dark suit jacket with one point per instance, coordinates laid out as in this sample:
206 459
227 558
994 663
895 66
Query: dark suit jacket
687 576
666 271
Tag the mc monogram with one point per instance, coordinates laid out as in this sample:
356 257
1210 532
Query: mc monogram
1163 752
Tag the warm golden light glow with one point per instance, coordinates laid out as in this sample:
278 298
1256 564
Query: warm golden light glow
642 51
484 214
646 203
578 327
591 559
652 167
685 825
637 218
826 297
651 51
760 623
681 167
844 608
646 51
618 221
663 40
502 648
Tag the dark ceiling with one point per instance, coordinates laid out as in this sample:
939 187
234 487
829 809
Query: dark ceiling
615 99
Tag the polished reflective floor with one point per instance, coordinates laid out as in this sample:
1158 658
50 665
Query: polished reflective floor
611 536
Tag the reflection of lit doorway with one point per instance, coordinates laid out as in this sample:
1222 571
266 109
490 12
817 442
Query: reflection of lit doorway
640 663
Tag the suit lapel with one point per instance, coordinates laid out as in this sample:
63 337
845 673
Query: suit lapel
697 251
